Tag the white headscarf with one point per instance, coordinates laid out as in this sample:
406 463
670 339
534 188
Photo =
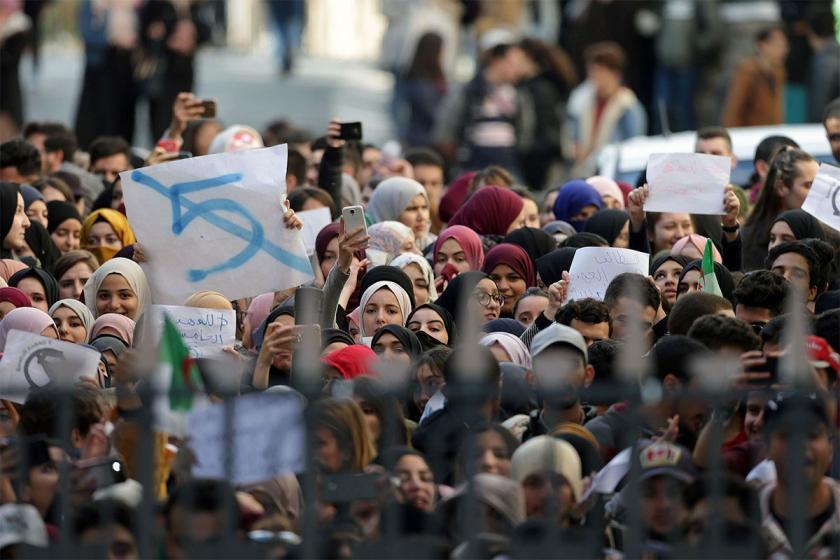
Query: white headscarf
132 273
389 237
392 196
402 300
81 311
515 348
410 258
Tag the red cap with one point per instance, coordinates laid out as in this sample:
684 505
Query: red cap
821 354
351 361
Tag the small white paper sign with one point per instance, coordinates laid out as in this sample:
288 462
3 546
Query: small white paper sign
268 438
823 201
692 183
202 330
313 222
216 223
31 361
593 268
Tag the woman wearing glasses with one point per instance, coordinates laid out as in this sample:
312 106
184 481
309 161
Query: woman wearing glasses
472 296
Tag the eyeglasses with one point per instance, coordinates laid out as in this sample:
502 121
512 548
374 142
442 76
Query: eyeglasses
484 299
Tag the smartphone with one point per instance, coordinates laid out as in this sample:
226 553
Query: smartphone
184 155
770 366
351 131
354 218
344 488
209 108
308 304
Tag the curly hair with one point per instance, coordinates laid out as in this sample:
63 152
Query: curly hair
718 331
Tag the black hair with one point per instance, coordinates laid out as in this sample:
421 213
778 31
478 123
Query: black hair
764 34
462 460
107 146
825 253
296 166
386 407
733 487
602 356
821 22
39 415
587 310
299 196
832 110
533 291
802 249
633 286
675 355
21 155
101 513
709 132
827 325
584 239
200 496
45 128
717 331
770 145
424 156
761 289
63 141
692 306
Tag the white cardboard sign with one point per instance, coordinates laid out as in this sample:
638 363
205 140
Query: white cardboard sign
823 201
216 223
593 268
202 330
313 222
692 183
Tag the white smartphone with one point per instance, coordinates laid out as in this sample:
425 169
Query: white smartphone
354 217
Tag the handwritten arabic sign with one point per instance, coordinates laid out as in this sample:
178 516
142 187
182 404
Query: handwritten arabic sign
593 268
692 183
823 200
202 330
216 223
31 361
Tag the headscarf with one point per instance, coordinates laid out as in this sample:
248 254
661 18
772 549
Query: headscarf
408 339
489 211
387 273
59 212
698 242
662 259
352 361
552 266
559 226
455 296
331 336
26 319
573 197
235 138
410 258
15 296
445 316
8 267
469 241
208 299
607 223
119 324
548 453
129 270
285 308
45 278
108 342
117 221
399 292
8 209
392 196
513 256
514 347
39 240
327 234
499 493
258 310
535 241
607 187
389 237
504 324
724 277
30 195
455 196
82 312
802 224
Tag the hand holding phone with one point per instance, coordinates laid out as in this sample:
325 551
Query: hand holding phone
350 131
354 218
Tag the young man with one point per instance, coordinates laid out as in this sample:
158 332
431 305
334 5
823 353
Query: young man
691 307
831 122
109 156
632 300
759 297
589 317
20 162
797 263
429 171
727 336
716 141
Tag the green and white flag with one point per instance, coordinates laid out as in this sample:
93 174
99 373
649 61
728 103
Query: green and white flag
710 282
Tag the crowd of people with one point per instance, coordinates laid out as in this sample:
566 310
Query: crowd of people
465 405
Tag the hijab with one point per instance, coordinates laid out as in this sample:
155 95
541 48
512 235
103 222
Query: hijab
459 288
117 221
8 209
27 319
607 223
607 187
58 212
387 273
535 241
574 196
698 242
802 224
15 296
129 270
399 292
108 342
208 299
45 278
82 312
389 237
8 267
407 338
552 266
514 347
489 211
513 256
662 259
120 324
504 324
559 226
39 240
724 277
285 308
406 259
352 361
331 336
258 310
445 316
392 196
455 196
469 241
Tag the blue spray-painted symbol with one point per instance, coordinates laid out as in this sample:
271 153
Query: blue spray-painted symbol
185 211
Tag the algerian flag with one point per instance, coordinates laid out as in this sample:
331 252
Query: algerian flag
710 283
185 379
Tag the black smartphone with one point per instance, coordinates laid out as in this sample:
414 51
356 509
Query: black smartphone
771 366
209 108
344 488
308 304
351 131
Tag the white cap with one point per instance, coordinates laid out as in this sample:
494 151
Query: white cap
547 453
235 138
21 524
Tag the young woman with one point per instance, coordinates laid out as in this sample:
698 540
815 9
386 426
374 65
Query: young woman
34 205
118 286
577 202
13 220
343 442
394 343
794 225
73 320
403 200
115 326
72 271
105 232
383 303
460 247
611 224
433 320
38 284
491 211
416 481
421 274
610 192
27 319
512 270
383 415
391 238
472 295
665 271
426 379
489 449
691 279
65 226
507 347
12 298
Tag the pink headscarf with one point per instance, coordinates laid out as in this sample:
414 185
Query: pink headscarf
468 240
607 187
26 319
697 241
9 267
122 326
489 211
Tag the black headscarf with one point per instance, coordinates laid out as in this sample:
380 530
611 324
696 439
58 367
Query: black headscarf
724 277
662 259
39 240
452 299
8 208
607 223
331 336
446 317
45 278
284 308
404 335
585 239
802 224
535 241
59 212
390 274
552 266
502 324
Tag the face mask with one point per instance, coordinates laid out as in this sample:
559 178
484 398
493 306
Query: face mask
103 254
